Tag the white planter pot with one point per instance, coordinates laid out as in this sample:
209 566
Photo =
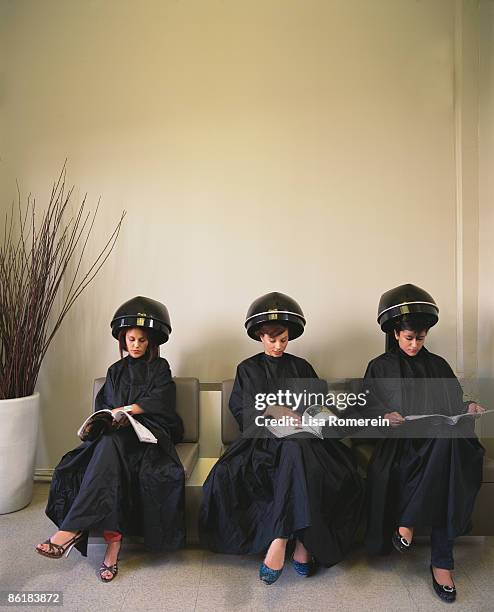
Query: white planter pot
19 420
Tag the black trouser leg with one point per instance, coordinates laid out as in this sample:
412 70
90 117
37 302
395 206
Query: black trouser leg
441 549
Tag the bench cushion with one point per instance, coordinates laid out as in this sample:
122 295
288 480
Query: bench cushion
488 474
229 427
188 407
188 453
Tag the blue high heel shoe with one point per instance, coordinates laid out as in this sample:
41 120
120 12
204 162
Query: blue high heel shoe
268 575
304 569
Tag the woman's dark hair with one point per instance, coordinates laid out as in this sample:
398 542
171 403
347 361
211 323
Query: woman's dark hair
272 329
415 322
153 347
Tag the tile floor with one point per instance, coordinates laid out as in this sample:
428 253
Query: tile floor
194 579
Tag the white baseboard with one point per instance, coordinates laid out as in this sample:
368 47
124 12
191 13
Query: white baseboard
43 475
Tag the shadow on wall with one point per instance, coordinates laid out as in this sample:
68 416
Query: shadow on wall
219 363
330 359
342 355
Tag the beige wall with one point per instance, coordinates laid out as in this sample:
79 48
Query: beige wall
306 147
486 205
467 188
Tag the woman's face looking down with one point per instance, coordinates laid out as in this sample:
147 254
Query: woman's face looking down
411 342
136 341
275 346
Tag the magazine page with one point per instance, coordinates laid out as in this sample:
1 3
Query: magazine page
451 419
84 430
313 420
142 432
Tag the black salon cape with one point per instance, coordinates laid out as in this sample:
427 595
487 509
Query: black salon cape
133 487
429 482
265 488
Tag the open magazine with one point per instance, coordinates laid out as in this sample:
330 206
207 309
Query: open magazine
312 423
450 419
103 419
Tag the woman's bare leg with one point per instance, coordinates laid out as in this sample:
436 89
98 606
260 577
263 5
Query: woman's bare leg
111 557
275 557
60 537
443 576
301 554
407 533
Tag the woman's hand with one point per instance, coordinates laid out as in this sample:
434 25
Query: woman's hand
117 409
395 419
278 412
136 409
122 421
474 408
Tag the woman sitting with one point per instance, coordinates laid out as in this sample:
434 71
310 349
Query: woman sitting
114 483
266 490
426 473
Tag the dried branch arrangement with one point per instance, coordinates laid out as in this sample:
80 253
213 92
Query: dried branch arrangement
41 276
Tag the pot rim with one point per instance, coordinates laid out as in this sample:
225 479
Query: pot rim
20 399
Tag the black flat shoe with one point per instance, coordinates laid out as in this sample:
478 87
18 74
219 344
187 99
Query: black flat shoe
445 592
400 543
